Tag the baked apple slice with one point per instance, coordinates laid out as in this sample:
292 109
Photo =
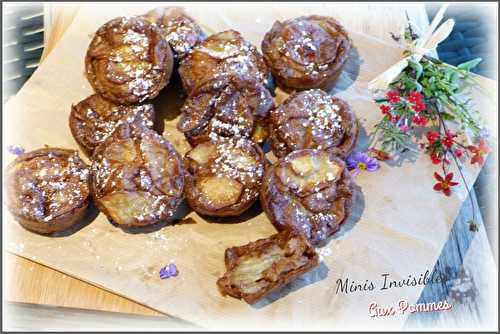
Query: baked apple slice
224 176
234 108
138 177
179 29
93 119
313 119
260 267
309 191
221 56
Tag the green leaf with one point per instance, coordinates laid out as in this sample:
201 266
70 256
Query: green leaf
427 92
446 116
418 69
418 86
447 74
469 65
443 98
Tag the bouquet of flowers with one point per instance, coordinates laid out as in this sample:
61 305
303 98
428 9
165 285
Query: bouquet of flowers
424 108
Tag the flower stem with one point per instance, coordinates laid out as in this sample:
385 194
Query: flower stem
443 124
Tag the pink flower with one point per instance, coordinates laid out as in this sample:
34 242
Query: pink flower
415 97
445 183
418 107
479 152
393 96
432 136
435 158
385 109
458 152
395 118
448 139
419 120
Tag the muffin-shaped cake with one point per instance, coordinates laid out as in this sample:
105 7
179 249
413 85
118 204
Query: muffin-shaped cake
179 29
221 56
313 119
48 189
256 269
128 60
138 177
224 176
309 191
306 52
93 119
237 108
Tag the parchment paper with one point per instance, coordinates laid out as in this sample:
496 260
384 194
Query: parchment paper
398 227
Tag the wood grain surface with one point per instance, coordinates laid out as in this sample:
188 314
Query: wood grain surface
30 282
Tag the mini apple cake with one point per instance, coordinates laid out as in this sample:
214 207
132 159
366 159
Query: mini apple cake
309 191
138 177
128 60
48 189
313 119
306 52
94 119
221 56
224 176
260 267
237 108
179 29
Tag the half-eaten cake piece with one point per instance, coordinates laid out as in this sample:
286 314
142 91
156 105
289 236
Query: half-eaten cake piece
259 267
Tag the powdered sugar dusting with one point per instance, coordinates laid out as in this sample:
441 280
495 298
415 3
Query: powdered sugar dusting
156 183
50 185
237 159
311 112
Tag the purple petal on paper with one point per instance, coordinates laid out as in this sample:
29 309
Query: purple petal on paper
15 149
351 162
168 271
371 167
173 269
371 164
360 156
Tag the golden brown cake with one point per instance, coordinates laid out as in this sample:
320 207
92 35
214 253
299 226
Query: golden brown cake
221 56
128 60
179 29
313 119
306 52
48 189
93 119
138 177
224 176
260 267
236 108
309 191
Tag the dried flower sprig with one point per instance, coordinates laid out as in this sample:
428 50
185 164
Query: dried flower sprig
428 97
